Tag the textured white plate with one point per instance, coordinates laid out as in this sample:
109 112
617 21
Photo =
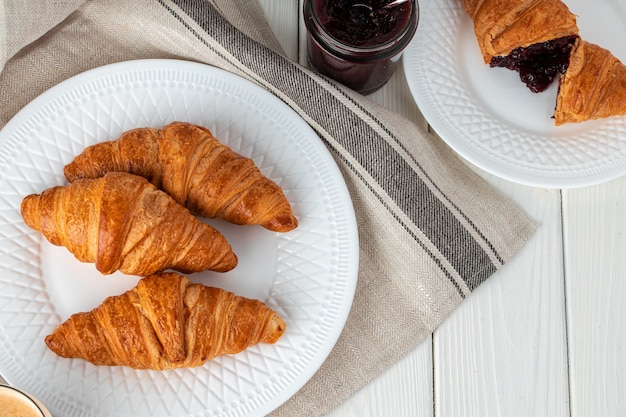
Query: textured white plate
490 118
308 275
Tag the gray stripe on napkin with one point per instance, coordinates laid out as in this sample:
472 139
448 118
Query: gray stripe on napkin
358 138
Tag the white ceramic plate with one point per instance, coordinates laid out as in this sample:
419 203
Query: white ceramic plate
308 275
492 119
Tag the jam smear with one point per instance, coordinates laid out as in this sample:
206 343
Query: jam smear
538 64
363 22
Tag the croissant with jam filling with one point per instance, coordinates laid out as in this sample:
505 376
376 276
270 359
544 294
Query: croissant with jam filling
533 37
593 87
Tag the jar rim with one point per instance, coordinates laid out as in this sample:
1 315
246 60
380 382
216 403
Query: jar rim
386 49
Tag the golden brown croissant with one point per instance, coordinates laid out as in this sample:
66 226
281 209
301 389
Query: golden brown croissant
122 222
166 322
593 87
533 37
188 163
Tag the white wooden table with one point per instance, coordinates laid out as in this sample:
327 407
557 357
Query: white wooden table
544 336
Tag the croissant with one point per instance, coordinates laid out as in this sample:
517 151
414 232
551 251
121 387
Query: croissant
593 87
166 322
533 37
122 222
188 163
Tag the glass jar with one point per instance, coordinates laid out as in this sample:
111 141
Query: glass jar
358 42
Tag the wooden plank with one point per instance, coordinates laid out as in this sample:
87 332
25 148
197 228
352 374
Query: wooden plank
595 262
283 17
503 352
404 390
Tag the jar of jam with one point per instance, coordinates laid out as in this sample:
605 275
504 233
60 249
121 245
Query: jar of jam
359 42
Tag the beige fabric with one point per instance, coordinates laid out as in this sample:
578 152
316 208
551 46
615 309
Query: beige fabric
23 22
429 234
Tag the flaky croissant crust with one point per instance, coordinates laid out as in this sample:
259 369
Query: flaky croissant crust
166 322
504 25
122 222
190 164
593 87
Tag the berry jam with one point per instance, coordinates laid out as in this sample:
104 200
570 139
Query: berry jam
539 64
363 22
358 42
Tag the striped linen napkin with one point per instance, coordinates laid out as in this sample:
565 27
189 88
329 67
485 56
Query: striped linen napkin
430 230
